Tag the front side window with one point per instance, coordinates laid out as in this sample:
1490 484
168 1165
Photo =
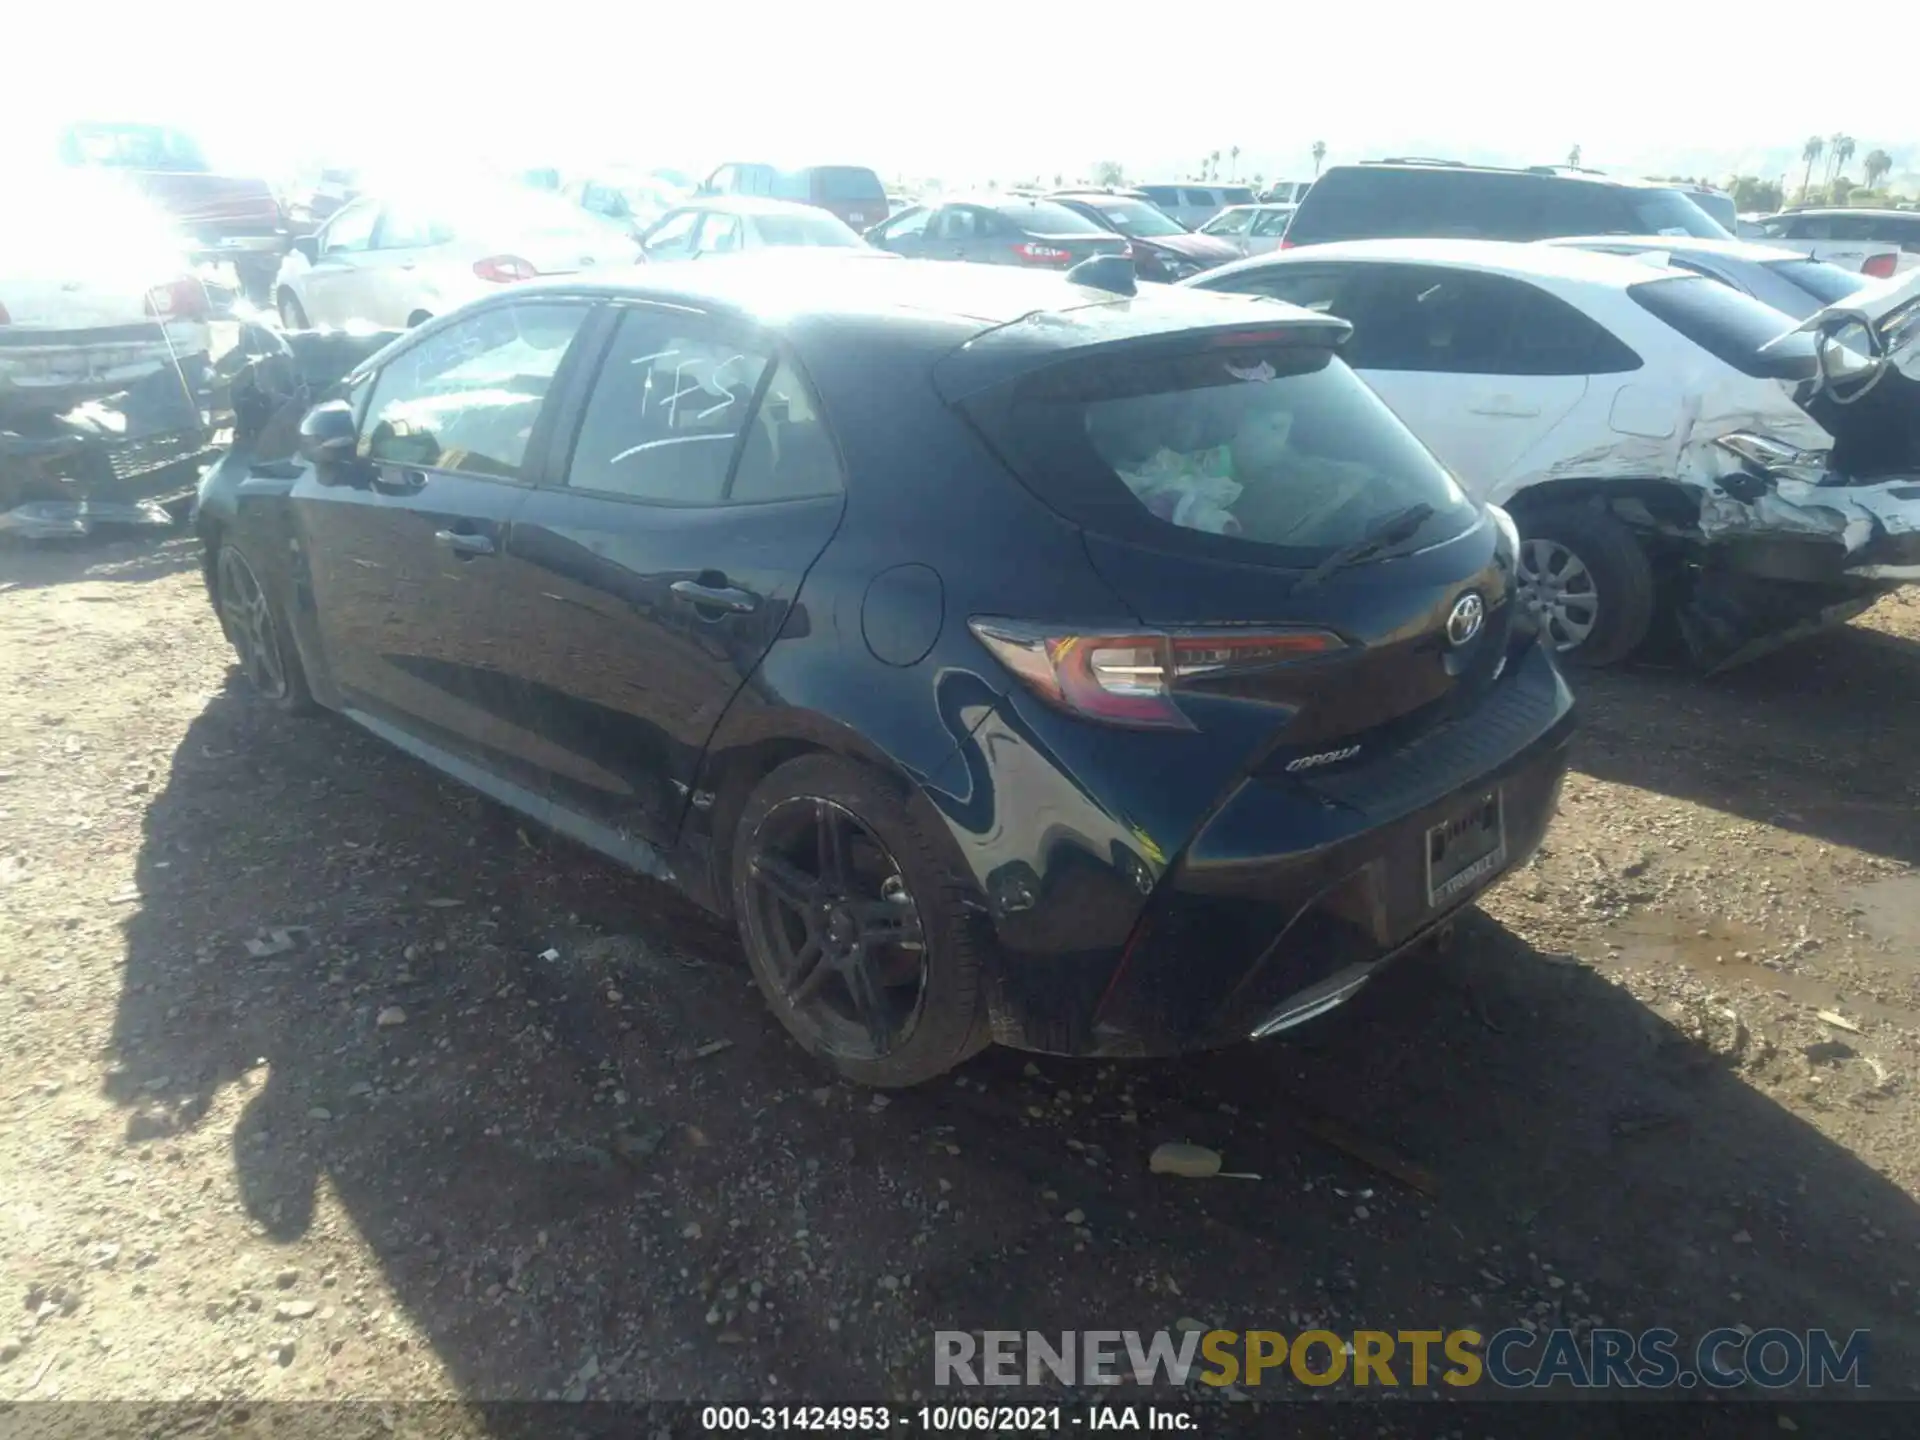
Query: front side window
351 229
907 225
1273 454
1229 222
1272 222
667 412
673 236
405 227
956 222
467 397
719 234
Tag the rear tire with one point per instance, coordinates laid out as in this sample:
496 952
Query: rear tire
258 633
1588 581
883 923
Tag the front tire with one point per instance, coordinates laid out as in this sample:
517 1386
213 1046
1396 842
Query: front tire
258 633
1587 580
854 926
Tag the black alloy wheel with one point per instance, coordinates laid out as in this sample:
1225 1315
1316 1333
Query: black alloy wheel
851 928
247 615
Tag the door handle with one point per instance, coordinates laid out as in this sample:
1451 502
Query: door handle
462 543
716 597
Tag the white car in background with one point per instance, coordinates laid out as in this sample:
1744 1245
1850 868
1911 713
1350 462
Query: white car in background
390 262
1251 229
97 294
1876 242
1663 441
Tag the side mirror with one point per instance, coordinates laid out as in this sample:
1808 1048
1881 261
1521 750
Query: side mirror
327 434
309 246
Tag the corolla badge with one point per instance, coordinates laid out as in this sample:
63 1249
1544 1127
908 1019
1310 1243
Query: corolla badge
1464 621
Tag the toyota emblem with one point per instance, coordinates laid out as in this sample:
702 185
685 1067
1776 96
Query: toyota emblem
1468 615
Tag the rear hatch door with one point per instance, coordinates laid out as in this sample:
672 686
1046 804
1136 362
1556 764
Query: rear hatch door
1245 483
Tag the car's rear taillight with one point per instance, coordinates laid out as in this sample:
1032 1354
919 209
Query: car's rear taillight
1034 253
1285 243
1132 677
504 269
182 299
1880 266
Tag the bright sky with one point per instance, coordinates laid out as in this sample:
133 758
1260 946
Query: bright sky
963 91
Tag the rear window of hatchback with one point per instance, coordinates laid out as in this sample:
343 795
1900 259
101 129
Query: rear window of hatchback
1273 454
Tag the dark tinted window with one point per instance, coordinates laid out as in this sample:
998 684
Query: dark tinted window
467 397
1044 217
1274 454
1826 283
1236 194
1162 195
788 454
1202 199
1725 323
1462 323
1363 201
847 182
907 225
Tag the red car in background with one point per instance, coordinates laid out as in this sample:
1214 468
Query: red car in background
229 219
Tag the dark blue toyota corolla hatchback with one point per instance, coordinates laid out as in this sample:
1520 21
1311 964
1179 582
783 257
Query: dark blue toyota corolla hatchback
1012 659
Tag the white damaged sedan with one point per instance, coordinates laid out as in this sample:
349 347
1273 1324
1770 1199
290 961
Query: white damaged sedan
1668 446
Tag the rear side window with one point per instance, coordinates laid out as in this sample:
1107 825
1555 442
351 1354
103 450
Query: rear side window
1161 195
467 397
1236 195
1668 212
667 412
1728 325
847 182
1201 198
1228 222
1267 453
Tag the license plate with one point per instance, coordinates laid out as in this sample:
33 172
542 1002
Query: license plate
1466 849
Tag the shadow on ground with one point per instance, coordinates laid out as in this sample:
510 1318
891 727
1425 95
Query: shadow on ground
608 1173
117 557
1818 738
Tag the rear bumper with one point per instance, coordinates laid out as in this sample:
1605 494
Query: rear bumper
57 369
1293 893
234 247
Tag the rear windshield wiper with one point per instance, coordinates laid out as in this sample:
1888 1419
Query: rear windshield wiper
1385 532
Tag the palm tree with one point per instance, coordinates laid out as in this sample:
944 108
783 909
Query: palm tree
1319 154
1234 151
1843 148
1839 147
1811 153
1877 164
1213 166
1573 158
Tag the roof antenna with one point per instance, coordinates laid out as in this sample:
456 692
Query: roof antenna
1113 273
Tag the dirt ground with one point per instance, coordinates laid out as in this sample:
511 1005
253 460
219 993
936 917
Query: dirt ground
486 1118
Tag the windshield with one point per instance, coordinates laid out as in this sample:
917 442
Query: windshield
1671 212
1138 219
1275 452
1044 217
1826 283
820 229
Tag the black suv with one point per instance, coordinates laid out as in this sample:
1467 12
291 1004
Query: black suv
1443 198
